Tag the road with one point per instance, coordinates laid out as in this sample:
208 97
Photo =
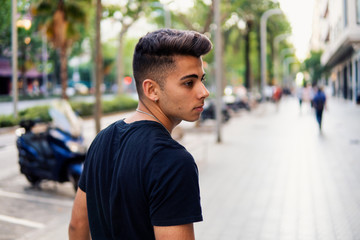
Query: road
26 211
274 177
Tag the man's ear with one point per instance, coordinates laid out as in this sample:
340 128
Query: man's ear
151 88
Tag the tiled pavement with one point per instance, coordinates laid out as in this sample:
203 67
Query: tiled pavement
275 177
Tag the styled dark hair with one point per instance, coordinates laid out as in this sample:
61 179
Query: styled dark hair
154 53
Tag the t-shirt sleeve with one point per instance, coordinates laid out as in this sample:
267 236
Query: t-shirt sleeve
85 171
173 189
82 180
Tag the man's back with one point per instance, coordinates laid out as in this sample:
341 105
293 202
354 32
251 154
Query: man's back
137 176
138 183
319 100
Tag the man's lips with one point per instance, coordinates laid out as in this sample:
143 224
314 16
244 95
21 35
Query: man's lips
199 108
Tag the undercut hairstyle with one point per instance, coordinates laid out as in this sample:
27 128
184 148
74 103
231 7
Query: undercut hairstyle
154 53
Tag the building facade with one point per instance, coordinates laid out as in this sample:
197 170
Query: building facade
28 82
339 37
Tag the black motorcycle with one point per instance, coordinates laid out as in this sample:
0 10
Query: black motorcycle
210 112
57 153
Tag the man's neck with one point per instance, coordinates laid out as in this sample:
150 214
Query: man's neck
148 110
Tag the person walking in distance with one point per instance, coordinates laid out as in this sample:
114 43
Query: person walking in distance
299 94
138 182
319 102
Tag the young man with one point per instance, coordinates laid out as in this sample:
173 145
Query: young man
137 182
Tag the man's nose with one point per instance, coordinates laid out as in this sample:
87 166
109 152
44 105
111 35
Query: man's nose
203 92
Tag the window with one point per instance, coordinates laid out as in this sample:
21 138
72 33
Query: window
358 11
345 13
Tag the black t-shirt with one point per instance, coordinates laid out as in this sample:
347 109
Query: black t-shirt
319 101
135 177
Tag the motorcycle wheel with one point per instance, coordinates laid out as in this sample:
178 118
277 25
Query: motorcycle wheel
32 179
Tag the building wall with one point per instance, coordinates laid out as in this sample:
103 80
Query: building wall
345 78
339 37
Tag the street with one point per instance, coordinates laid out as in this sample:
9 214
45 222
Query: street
273 177
35 213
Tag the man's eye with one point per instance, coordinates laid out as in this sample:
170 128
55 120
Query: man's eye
203 79
189 83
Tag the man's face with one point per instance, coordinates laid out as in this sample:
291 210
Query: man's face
183 95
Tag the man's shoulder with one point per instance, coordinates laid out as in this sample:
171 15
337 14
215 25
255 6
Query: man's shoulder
321 96
173 153
150 136
111 127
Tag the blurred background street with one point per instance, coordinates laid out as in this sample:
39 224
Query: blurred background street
274 177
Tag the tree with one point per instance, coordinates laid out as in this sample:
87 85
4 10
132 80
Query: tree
249 13
240 43
28 40
62 21
5 27
277 25
198 18
313 66
201 21
127 13
98 67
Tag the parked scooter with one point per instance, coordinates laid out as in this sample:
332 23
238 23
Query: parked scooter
56 153
209 112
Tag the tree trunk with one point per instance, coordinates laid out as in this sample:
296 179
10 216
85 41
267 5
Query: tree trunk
248 80
247 62
120 64
257 81
23 79
98 68
272 60
63 71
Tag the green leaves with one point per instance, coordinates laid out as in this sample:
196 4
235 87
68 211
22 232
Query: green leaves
314 67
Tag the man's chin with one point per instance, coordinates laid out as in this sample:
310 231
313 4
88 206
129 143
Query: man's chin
192 119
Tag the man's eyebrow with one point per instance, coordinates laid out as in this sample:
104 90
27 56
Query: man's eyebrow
192 76
203 77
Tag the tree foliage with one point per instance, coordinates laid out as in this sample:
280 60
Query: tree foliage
313 66
62 21
5 27
66 25
126 13
241 35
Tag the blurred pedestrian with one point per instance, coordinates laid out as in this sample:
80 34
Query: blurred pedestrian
319 103
137 182
308 95
299 94
276 96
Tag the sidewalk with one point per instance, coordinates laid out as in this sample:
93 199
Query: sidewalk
274 177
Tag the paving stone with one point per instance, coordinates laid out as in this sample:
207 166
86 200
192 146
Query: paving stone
275 176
